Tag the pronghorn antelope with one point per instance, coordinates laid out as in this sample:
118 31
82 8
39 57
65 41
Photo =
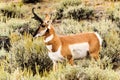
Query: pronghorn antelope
67 47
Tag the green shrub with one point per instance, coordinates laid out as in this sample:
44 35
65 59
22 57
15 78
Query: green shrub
29 53
18 25
79 13
4 30
95 73
4 74
12 10
75 10
92 71
114 14
64 5
67 3
5 43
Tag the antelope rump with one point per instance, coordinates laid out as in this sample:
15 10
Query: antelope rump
67 47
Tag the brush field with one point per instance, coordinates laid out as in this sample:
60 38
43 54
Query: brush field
23 57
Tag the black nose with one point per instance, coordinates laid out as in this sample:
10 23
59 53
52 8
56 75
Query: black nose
34 35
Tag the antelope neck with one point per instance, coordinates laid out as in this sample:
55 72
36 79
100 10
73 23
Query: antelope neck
54 41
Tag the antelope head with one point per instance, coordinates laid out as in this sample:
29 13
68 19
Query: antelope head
45 28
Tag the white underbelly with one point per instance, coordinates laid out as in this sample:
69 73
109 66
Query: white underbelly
79 50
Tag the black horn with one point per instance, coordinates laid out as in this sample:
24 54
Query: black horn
36 17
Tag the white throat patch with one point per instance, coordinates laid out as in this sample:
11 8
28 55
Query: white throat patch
49 38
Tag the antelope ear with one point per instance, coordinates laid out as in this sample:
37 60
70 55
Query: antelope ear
50 22
47 17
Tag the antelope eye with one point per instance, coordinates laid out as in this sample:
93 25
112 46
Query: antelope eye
43 26
47 21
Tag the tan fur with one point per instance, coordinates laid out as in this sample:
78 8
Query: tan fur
80 38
